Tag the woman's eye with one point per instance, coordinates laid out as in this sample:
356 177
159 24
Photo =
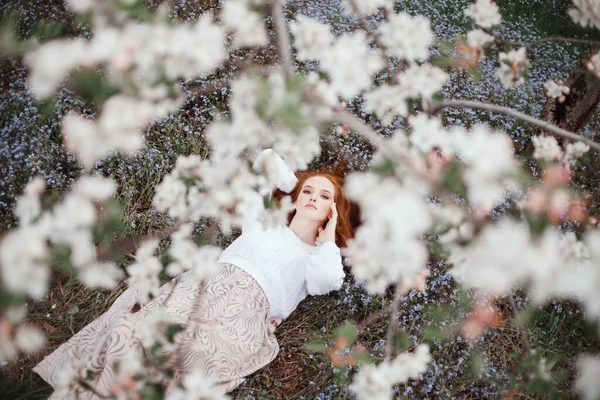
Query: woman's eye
306 191
325 197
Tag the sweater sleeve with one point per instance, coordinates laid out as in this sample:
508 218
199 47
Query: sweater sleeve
285 181
270 160
324 271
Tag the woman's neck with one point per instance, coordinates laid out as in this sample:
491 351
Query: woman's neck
306 230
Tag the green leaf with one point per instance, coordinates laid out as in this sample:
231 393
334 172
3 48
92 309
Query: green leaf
73 310
402 341
60 255
44 29
476 363
151 392
476 74
538 222
363 358
385 168
315 346
539 386
172 330
94 85
347 330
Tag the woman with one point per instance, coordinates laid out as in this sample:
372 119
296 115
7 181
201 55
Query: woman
229 320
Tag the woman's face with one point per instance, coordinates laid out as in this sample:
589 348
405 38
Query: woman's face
315 199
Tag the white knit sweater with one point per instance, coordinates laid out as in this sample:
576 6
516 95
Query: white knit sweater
284 266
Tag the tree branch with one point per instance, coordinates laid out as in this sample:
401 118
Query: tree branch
557 39
522 328
356 125
516 114
393 322
283 38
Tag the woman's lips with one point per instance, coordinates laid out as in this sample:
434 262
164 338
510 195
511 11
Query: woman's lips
311 206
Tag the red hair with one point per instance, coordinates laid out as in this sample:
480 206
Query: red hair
348 211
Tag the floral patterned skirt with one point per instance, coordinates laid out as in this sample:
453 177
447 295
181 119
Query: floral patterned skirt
228 334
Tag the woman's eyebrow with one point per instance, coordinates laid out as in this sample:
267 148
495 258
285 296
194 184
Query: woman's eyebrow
322 190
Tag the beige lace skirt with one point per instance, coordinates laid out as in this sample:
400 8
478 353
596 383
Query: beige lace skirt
227 337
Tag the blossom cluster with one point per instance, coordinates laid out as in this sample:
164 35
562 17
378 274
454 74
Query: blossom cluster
376 381
485 13
279 112
512 67
586 13
547 148
557 90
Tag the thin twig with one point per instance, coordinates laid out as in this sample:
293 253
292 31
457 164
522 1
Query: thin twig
374 317
517 114
557 39
356 125
283 38
523 330
393 322
499 40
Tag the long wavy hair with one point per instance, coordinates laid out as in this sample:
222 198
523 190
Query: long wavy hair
348 211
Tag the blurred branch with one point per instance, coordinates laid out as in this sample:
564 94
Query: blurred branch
358 126
283 38
435 107
389 340
557 39
522 328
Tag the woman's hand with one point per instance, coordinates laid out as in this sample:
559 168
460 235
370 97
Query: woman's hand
328 234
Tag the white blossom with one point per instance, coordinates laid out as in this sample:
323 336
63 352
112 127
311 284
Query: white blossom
573 151
154 330
417 81
24 261
485 13
29 339
503 255
104 275
586 13
407 37
28 206
49 64
95 187
422 81
366 7
277 215
130 367
490 165
387 102
187 255
67 379
556 90
117 128
387 246
312 38
478 39
587 383
80 6
350 64
428 133
248 25
298 149
594 65
376 382
196 386
144 272
512 67
546 148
